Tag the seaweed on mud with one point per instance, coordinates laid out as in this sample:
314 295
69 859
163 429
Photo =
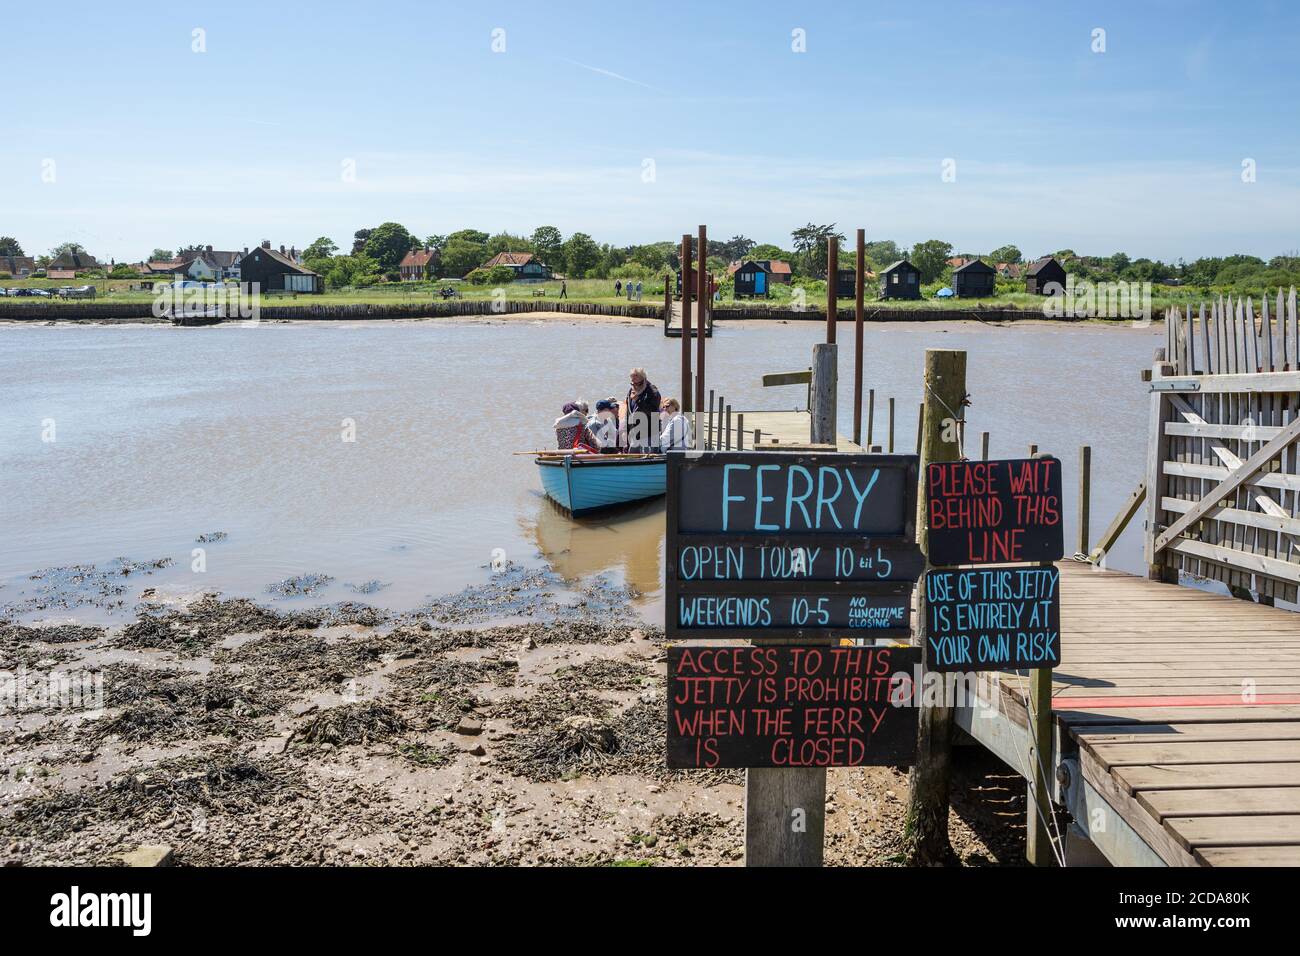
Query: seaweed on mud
532 633
368 587
513 591
426 755
602 674
359 723
211 537
160 705
438 689
81 585
220 782
52 634
545 706
300 585
351 612
631 742
206 622
299 662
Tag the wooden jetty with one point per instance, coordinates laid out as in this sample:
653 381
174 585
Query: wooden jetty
1175 713
1176 723
673 323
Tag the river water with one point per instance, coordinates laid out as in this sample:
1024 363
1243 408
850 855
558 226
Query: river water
381 454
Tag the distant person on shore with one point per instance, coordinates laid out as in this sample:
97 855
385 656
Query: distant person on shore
564 289
604 425
618 288
638 290
571 429
643 401
676 434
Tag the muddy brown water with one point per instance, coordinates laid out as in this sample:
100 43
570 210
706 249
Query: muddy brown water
133 441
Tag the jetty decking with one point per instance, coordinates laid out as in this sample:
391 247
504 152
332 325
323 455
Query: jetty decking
1177 722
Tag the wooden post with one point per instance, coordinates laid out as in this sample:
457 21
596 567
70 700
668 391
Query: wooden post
926 827
688 400
773 797
1038 834
702 313
871 416
758 437
891 425
824 386
984 446
832 273
740 431
1085 497
727 434
1158 567
708 433
858 317
717 434
776 796
920 426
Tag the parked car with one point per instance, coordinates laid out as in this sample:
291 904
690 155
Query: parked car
45 293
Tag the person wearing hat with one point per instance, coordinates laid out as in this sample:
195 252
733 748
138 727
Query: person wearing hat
604 425
571 430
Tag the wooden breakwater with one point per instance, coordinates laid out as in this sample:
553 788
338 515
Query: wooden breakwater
767 313
143 311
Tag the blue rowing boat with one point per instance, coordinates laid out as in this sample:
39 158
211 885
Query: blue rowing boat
582 484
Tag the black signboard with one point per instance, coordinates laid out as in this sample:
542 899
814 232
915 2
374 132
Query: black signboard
783 706
797 545
994 512
991 619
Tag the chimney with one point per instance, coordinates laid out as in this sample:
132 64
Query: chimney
245 250
266 243
209 248
281 249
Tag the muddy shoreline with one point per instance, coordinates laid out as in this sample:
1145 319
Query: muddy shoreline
515 723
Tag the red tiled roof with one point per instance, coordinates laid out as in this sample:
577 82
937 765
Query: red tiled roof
417 258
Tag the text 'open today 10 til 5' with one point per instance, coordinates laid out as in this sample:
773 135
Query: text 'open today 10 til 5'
791 545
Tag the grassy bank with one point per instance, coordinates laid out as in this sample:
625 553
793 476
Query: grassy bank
598 291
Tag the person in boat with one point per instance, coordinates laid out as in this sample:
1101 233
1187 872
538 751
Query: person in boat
604 425
676 434
640 413
571 429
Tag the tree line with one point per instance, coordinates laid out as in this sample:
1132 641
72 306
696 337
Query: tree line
376 253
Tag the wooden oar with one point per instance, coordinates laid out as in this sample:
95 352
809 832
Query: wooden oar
579 451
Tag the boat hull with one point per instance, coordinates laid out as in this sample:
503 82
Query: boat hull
581 484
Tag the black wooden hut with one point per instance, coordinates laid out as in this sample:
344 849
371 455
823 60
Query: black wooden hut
976 279
752 278
902 280
277 272
846 284
1044 276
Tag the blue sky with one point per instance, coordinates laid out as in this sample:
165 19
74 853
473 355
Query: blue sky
1139 148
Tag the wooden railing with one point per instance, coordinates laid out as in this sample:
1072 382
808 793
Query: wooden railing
1223 471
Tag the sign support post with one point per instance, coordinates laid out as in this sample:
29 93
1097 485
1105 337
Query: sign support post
927 807
785 809
822 392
